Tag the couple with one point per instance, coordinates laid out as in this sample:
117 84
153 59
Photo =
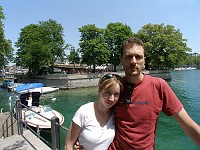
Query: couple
141 99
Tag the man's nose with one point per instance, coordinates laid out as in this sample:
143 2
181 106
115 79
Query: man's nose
133 60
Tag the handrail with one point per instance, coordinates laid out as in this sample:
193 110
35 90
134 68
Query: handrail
21 125
6 129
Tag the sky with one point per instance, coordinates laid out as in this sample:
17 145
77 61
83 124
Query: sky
182 14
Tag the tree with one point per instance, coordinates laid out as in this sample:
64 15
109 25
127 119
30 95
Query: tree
92 46
39 46
115 34
73 57
6 50
165 46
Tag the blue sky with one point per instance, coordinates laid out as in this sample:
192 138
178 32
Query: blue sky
182 14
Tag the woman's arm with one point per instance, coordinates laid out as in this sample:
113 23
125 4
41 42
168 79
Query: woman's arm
191 128
73 133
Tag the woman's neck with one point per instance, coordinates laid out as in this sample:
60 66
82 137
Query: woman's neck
102 113
101 109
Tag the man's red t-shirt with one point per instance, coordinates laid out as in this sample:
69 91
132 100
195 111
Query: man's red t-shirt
136 120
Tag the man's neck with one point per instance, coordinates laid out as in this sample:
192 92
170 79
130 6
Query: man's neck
134 79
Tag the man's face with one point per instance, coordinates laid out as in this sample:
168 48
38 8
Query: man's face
133 60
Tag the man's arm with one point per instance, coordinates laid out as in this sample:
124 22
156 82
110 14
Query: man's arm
191 128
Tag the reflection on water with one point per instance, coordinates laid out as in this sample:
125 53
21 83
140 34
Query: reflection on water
169 135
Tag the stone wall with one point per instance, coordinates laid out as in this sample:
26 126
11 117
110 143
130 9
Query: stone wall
69 81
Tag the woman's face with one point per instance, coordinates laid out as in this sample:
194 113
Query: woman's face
110 96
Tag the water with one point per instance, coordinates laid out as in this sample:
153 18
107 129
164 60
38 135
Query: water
169 135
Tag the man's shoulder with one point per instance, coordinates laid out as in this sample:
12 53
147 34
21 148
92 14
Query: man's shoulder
154 80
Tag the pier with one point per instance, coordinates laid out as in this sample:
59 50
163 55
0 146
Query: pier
16 134
26 141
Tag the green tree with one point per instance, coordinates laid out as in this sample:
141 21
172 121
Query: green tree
165 46
73 57
115 34
6 50
191 59
92 46
39 46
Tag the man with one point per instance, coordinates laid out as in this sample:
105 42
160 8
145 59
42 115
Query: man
142 100
138 109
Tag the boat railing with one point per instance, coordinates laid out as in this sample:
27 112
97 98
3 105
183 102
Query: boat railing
22 125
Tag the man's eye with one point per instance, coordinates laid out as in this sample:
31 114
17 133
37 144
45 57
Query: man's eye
138 57
128 57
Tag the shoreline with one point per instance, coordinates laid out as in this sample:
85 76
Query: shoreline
72 81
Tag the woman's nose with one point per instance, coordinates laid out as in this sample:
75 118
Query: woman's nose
112 97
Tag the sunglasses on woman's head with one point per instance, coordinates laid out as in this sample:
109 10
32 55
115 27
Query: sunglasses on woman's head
109 75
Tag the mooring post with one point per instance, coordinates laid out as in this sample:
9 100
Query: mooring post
20 119
17 114
55 133
11 122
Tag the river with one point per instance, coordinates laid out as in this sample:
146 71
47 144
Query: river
186 85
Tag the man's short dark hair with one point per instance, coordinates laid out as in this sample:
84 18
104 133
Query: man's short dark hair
128 43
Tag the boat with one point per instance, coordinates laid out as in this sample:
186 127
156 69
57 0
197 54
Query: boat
35 87
38 116
185 68
12 87
45 89
42 90
28 86
6 83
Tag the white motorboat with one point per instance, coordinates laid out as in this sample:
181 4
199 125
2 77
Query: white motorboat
185 68
38 115
35 87
12 87
45 89
42 90
42 118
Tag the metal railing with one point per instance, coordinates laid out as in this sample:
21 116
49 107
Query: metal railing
8 125
22 125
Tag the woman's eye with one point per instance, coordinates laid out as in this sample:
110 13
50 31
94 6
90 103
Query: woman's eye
116 94
107 93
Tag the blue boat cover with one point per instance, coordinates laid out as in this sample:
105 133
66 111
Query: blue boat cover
28 86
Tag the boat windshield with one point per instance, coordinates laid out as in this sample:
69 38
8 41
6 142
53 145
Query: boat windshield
47 108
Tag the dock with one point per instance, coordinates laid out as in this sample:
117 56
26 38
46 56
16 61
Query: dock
26 141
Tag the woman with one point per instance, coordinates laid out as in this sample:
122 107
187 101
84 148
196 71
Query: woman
93 123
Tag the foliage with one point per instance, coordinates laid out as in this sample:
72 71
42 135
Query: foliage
40 45
92 46
73 57
165 46
115 34
6 50
191 60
